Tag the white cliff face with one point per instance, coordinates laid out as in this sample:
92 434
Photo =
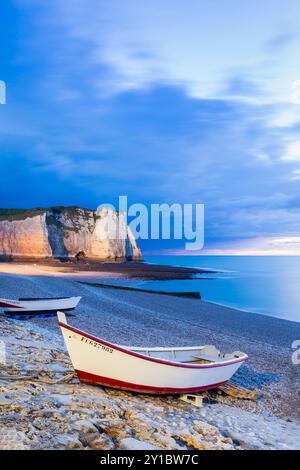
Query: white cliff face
26 237
110 234
64 232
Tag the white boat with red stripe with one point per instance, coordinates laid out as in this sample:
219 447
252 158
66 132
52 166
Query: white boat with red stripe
147 370
33 306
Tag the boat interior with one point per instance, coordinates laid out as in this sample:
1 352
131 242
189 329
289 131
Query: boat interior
193 355
41 298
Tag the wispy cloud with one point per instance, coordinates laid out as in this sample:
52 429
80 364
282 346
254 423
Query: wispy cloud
164 101
134 45
292 152
259 246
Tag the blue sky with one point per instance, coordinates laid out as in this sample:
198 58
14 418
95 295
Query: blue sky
171 101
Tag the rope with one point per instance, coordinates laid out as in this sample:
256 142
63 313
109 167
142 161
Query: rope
33 378
35 371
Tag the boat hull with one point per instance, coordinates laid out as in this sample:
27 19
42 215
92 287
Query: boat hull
36 306
92 379
101 363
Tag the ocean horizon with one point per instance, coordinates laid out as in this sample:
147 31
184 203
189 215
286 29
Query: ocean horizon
266 285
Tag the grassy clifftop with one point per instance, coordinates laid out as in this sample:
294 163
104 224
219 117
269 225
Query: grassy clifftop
19 214
22 214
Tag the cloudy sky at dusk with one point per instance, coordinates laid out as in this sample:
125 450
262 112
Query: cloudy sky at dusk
171 101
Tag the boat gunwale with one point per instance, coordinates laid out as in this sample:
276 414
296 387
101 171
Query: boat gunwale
47 299
38 299
153 359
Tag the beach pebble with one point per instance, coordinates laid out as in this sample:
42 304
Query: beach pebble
76 416
11 439
116 429
204 428
228 421
238 438
85 426
102 442
62 400
167 442
130 443
4 400
69 442
40 423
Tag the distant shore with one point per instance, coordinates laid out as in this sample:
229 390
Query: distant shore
129 269
142 319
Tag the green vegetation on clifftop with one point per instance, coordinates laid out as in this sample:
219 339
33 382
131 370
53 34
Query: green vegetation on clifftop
20 214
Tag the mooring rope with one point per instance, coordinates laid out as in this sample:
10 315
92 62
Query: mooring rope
33 378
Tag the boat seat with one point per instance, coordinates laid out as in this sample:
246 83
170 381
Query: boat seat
207 358
197 360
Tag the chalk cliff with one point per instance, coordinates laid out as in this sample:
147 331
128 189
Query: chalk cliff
64 232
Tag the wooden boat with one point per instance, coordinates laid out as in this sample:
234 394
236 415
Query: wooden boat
149 370
34 306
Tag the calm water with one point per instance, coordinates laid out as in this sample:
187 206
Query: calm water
269 285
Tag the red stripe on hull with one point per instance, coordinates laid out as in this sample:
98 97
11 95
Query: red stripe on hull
93 379
153 359
5 305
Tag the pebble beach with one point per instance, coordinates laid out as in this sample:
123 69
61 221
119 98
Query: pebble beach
42 412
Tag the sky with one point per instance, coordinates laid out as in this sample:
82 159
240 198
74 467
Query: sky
165 102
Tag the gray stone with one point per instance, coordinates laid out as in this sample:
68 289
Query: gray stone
84 425
129 443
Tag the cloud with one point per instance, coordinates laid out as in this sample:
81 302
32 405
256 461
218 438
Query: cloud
256 246
287 118
292 152
126 46
281 41
162 101
160 145
295 175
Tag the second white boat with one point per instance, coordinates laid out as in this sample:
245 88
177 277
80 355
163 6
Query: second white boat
33 306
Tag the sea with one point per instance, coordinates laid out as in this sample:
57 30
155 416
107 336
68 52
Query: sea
268 285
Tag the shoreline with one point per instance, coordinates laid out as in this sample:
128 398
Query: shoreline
95 271
143 319
131 269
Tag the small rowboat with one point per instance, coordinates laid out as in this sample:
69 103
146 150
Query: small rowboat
35 306
148 370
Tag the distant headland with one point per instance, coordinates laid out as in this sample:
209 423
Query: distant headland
64 233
